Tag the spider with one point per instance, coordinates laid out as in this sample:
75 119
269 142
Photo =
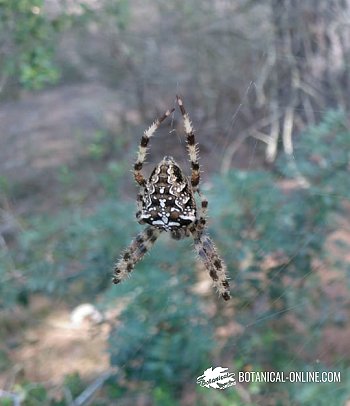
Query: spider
166 202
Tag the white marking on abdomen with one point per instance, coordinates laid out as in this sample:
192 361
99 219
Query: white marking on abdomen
158 222
173 223
183 217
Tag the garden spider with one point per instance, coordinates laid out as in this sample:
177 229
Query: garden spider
166 203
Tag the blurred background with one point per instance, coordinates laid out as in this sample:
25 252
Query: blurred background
267 86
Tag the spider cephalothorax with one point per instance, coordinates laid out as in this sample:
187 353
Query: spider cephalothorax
166 203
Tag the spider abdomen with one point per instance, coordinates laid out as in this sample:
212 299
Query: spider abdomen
168 202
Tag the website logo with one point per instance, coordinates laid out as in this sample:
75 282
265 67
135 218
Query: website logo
217 378
220 378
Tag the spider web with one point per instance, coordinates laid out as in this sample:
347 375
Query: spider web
254 148
304 240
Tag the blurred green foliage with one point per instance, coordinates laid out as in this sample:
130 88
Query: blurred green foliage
322 156
28 38
5 401
105 145
164 337
114 14
272 236
34 394
74 384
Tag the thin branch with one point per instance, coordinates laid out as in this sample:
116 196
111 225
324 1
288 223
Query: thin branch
271 150
262 79
287 130
260 136
241 137
89 393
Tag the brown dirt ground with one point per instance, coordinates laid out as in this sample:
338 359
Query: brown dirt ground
45 345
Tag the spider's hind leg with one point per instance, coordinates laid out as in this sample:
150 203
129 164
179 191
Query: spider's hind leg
134 253
207 252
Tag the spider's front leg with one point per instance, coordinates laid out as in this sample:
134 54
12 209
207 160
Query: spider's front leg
207 252
136 251
191 146
143 147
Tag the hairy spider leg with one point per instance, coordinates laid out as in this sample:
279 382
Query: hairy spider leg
202 218
206 251
135 252
139 200
143 147
191 145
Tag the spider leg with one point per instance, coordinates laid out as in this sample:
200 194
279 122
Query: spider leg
139 206
191 145
143 147
202 219
207 252
135 252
